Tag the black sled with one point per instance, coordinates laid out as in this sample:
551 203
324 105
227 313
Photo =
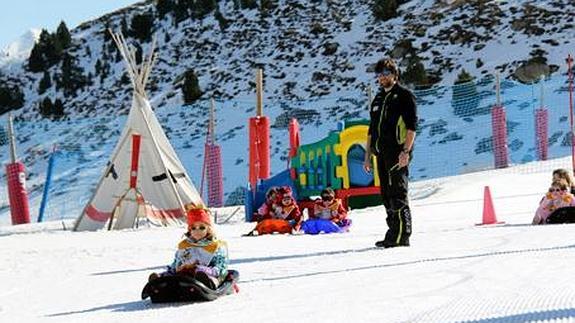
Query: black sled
183 288
562 215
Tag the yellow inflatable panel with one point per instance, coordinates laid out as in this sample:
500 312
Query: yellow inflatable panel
356 135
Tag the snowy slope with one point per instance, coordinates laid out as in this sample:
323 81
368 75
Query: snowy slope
331 87
18 51
454 271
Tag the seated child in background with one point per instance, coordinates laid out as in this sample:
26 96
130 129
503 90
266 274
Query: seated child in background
557 197
265 211
284 215
562 173
200 254
287 209
330 208
329 215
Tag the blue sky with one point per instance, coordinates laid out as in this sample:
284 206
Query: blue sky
18 16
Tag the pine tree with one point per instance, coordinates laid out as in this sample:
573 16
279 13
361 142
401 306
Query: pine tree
58 109
465 98
44 53
384 9
98 67
36 61
3 136
11 98
46 107
62 38
249 4
45 83
267 6
141 27
202 8
124 27
181 11
139 54
71 77
222 21
163 7
415 73
48 46
191 88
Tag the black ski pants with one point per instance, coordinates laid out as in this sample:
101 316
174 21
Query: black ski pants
394 185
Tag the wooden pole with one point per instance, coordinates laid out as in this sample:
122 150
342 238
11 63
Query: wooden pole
259 92
212 124
12 139
497 90
369 97
542 91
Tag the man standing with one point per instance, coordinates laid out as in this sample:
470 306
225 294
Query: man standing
390 138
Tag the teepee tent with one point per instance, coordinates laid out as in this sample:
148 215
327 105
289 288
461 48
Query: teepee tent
144 178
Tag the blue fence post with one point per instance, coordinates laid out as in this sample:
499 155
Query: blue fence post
47 185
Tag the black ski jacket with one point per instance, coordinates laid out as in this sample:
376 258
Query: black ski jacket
392 114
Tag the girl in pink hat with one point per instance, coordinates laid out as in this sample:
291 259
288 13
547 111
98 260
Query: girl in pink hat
200 254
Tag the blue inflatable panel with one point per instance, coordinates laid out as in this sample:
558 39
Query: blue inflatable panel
357 175
281 179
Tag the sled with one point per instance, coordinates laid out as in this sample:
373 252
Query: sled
562 215
184 288
317 226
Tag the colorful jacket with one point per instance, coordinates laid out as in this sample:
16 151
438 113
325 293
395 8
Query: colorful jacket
210 253
288 213
333 211
265 211
552 202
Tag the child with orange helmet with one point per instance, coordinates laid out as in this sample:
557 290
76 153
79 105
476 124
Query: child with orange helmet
200 254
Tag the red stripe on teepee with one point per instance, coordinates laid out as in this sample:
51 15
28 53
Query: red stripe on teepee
135 158
97 215
152 212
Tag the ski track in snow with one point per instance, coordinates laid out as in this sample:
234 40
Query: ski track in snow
455 271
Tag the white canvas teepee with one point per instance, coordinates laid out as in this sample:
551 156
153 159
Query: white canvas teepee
144 177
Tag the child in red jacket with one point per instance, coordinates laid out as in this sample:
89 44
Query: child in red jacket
266 209
329 215
329 207
286 208
283 217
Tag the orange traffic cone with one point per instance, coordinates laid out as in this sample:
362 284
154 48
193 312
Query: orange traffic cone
488 210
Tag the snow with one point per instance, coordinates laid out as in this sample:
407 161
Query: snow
455 271
19 50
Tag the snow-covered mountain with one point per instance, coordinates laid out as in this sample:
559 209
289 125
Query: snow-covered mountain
317 58
309 48
18 51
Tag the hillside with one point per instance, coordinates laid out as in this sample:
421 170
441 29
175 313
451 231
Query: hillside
307 48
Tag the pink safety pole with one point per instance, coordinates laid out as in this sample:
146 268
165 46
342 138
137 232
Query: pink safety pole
499 129
541 127
16 176
570 73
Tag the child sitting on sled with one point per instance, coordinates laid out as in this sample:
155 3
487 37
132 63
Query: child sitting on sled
265 211
558 196
329 215
200 254
283 217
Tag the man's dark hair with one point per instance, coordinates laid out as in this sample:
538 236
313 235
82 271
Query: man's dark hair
387 63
